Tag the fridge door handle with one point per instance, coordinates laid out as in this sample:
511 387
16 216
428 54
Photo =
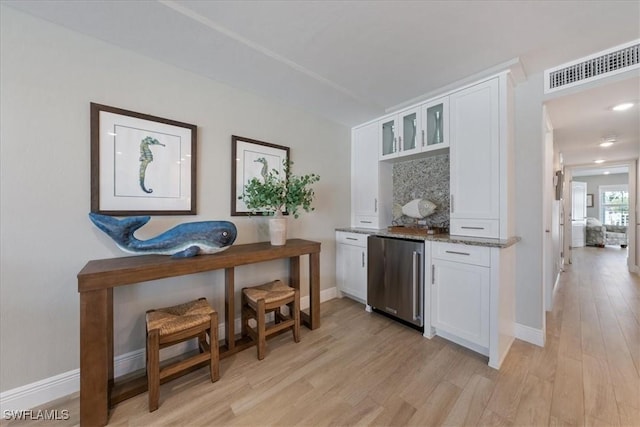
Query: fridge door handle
416 283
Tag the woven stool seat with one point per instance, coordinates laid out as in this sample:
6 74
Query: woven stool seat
169 320
270 292
257 301
172 325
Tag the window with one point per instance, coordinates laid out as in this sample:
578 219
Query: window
614 204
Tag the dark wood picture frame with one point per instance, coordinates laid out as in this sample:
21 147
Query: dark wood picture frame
244 151
589 200
120 164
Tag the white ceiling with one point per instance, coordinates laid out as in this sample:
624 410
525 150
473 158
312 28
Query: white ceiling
582 121
600 171
351 61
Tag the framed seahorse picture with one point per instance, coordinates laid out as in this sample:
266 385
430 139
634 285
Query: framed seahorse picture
141 164
252 159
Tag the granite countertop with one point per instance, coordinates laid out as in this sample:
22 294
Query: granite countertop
475 241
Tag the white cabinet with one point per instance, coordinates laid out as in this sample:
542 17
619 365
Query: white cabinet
364 176
460 299
415 130
370 181
435 124
479 154
351 264
472 297
400 134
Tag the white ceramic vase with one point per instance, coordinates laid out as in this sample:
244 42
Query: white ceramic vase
278 229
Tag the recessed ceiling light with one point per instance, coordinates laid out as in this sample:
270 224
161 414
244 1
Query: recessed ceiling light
622 107
606 173
606 144
598 161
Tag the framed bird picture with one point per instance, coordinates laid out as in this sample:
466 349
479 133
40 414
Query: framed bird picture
252 159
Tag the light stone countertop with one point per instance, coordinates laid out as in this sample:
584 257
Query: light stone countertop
475 241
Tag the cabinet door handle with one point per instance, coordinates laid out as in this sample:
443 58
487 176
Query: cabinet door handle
363 259
375 205
451 203
458 253
351 238
433 274
472 228
399 143
365 222
423 137
416 283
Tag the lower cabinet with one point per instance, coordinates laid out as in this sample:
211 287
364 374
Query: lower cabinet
473 297
460 300
351 264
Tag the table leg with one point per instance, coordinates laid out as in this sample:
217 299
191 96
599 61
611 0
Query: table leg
94 354
294 272
229 308
294 282
314 290
110 361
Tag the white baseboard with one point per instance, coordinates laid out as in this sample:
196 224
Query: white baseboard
40 392
529 334
325 295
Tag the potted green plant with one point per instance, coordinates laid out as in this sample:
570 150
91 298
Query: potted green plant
276 193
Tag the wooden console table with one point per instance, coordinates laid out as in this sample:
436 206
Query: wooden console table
98 278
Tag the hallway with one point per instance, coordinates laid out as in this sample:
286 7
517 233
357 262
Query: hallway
593 341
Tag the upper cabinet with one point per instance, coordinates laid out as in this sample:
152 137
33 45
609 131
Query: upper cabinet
435 119
369 180
400 134
415 130
479 155
475 124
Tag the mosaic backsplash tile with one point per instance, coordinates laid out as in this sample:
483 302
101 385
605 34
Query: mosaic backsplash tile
426 178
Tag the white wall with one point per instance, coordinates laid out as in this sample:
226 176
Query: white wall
529 192
637 264
552 257
557 230
593 184
48 78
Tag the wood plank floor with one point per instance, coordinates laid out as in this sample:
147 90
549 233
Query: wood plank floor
363 369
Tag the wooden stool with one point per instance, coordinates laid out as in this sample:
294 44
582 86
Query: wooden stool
172 325
258 301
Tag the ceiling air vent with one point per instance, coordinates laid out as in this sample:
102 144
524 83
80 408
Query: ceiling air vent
602 64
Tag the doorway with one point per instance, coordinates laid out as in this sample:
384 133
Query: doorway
587 132
610 208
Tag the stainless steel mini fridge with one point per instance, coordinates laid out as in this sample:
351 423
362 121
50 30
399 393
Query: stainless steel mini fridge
395 278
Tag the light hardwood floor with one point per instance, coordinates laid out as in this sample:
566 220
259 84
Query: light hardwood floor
361 368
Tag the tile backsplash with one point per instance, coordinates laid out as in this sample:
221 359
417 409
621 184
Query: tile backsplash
426 178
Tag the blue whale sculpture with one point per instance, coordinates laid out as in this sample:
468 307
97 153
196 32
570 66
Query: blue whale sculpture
182 241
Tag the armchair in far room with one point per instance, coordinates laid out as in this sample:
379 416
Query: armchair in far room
616 235
598 234
595 233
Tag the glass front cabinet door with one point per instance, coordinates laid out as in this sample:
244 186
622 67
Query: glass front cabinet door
410 128
435 116
388 137
399 134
